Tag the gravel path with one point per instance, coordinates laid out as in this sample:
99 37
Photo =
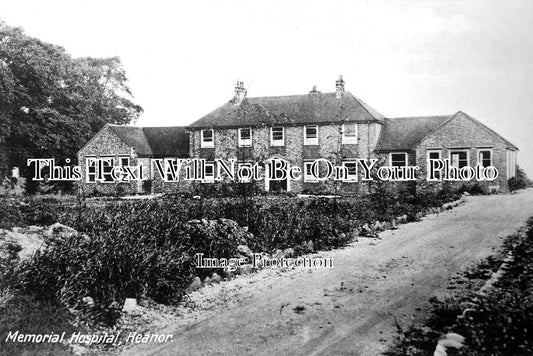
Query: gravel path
352 308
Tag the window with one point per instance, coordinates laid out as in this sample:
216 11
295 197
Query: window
349 133
207 139
123 161
308 172
434 154
172 169
398 159
311 135
485 157
209 173
459 159
107 167
351 171
245 137
91 169
245 173
277 136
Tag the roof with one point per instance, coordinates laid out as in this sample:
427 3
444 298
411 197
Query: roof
404 133
154 141
315 107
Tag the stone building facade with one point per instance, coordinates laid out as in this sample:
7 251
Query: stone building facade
119 145
458 138
299 129
296 129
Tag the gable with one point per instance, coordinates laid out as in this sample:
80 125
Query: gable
314 107
146 141
104 142
462 130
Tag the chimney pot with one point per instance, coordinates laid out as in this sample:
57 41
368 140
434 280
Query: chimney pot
339 86
240 93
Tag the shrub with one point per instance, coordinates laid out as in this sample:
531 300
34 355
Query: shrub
131 250
520 181
147 248
23 212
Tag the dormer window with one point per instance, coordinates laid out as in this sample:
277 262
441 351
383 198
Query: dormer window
207 139
311 135
349 133
277 136
245 137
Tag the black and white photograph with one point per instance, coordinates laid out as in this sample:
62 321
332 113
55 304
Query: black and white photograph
346 177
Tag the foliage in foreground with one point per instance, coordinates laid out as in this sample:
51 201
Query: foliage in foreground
157 261
147 248
499 323
518 182
29 315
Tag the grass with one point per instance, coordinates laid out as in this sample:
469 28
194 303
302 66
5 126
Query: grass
497 323
29 315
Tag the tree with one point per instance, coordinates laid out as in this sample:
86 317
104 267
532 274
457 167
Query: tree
51 103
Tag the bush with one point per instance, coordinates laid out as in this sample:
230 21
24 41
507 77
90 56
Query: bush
139 251
147 248
520 181
16 212
515 183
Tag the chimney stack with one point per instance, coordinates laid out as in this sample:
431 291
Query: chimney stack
339 85
240 93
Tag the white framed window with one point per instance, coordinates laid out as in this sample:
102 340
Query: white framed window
106 166
351 171
245 173
459 158
91 169
245 137
349 133
277 136
398 159
308 172
123 161
434 154
311 135
207 138
484 157
209 176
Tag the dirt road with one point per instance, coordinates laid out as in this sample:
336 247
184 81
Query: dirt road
350 309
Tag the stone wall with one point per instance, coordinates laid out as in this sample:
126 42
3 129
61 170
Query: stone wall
107 144
329 146
104 144
463 133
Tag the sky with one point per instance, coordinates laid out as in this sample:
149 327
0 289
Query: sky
403 58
